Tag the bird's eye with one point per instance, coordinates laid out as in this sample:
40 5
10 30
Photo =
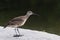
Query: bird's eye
29 12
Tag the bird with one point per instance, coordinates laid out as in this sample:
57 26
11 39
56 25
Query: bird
19 22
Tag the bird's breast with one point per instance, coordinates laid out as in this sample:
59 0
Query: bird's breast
23 22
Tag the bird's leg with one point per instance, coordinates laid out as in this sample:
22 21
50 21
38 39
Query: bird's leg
17 31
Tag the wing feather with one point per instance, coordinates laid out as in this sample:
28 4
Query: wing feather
14 21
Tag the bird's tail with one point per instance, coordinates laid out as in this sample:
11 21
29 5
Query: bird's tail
5 26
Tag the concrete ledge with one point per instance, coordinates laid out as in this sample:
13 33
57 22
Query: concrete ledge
7 34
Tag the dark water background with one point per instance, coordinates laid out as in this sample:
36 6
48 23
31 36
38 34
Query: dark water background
49 11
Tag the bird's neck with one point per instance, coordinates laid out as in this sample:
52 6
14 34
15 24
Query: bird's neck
27 16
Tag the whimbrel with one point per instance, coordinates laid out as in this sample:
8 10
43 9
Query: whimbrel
19 22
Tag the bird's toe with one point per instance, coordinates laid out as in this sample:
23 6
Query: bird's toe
17 35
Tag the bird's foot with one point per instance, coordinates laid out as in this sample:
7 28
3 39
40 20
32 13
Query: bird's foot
17 35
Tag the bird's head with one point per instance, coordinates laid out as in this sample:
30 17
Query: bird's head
31 13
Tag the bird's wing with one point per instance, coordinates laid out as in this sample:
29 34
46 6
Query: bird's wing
14 21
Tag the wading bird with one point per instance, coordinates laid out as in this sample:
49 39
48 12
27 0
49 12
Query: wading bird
19 22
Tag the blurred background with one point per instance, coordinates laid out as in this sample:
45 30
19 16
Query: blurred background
49 11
